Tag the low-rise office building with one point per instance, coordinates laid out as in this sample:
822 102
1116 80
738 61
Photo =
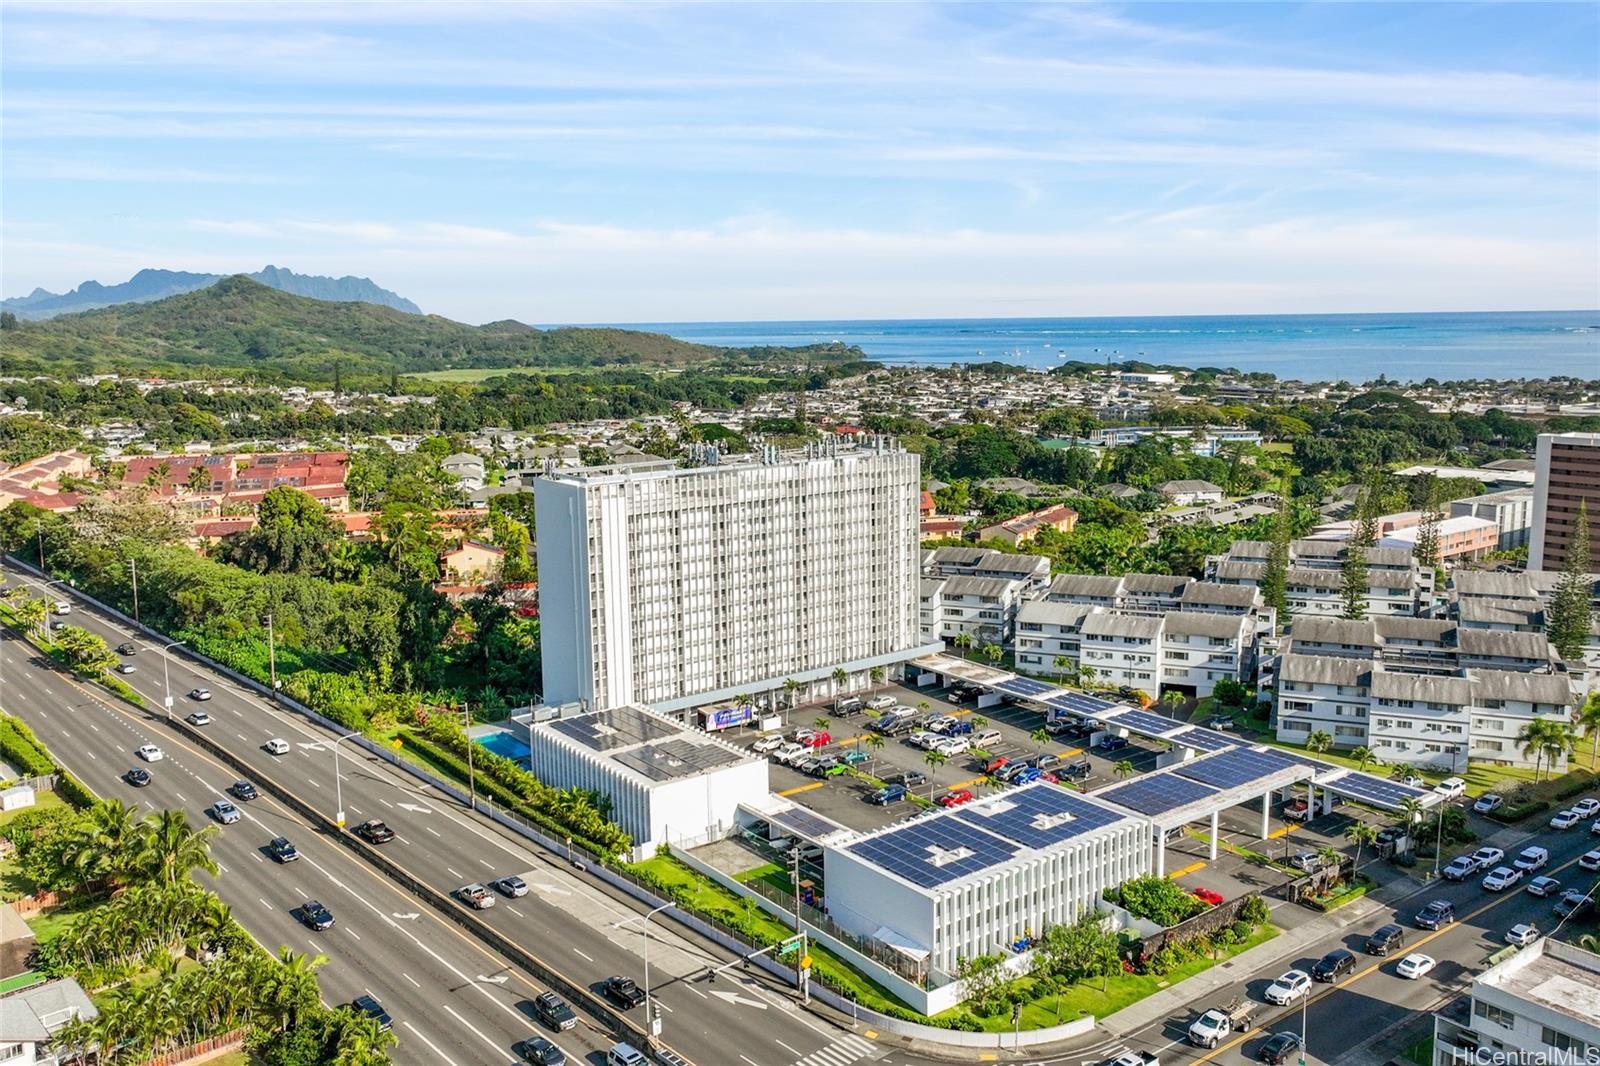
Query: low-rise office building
1151 651
1511 511
978 878
983 608
1396 584
667 784
1541 1004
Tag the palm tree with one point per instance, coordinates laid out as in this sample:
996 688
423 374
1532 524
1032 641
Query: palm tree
1590 943
105 842
1040 737
792 687
1411 810
1364 757
1174 699
1318 742
822 721
361 1042
963 641
288 987
32 613
1401 771
1123 770
1330 859
172 848
979 723
1562 740
1062 664
1086 675
1588 717
1535 739
839 678
877 742
877 674
994 653
934 759
924 706
1361 833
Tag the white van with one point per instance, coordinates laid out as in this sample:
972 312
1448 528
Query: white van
986 739
624 1055
63 607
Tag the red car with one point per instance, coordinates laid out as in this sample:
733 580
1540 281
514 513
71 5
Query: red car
994 764
955 797
1050 777
819 739
1205 895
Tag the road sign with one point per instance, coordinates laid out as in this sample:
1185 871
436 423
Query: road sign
792 944
805 962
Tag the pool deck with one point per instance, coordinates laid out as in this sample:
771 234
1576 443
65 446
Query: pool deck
502 738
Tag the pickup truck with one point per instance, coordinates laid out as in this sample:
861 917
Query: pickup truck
1132 1058
1208 1030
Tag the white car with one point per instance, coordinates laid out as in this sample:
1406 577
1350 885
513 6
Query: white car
881 703
1488 802
789 752
225 812
801 736
1415 965
1564 819
1543 886
276 746
1594 830
1288 988
63 607
126 668
1531 859
200 694
1587 807
1522 934
1451 788
766 744
1461 867
1589 860
1501 878
952 746
150 753
198 718
925 739
1487 857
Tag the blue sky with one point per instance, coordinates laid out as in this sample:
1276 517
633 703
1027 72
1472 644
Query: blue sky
630 162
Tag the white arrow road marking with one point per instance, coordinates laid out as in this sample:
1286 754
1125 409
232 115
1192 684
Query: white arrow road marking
497 979
413 807
413 916
555 889
314 746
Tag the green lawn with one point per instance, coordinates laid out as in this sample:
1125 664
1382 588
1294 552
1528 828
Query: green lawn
41 801
1047 1008
51 923
772 874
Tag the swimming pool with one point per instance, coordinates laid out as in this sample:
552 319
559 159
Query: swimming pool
503 743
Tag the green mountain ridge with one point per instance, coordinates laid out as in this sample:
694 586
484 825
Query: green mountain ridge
239 325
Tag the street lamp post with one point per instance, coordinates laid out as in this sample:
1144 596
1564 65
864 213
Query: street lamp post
166 675
338 783
652 1022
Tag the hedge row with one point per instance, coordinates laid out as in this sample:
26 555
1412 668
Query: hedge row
22 749
1530 799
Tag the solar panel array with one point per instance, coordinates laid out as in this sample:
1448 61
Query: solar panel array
1240 766
1376 790
805 823
616 727
669 759
1037 816
1204 739
933 851
1152 725
1023 686
1078 703
1156 794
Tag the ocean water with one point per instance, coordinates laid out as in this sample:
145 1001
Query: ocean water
1404 347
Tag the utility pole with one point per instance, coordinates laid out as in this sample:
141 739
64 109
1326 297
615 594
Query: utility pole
272 656
802 971
472 780
40 530
133 568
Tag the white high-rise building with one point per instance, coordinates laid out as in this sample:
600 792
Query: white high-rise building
679 588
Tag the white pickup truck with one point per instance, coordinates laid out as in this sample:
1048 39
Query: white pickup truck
1132 1058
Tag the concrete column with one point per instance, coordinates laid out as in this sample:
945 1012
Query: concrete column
1266 811
1161 852
1213 836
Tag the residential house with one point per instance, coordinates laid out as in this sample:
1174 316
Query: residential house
473 561
1023 528
31 1018
1188 492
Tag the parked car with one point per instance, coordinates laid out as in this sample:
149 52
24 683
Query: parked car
1390 834
225 812
1113 743
623 991
1522 934
1487 857
1076 770
1307 861
200 694
1386 939
820 739
512 887
908 778
767 745
1025 775
315 916
881 702
807 765
1333 965
138 777
987 739
956 727
1460 868
1205 895
1488 802
282 850
370 1007
553 1011
1058 727
475 896
1543 886
950 747
150 753
1048 760
1451 788
1594 830
847 706
1296 810
276 746
1413 781
1415 965
374 832
1589 860
1532 858
1009 772
1564 819
955 797
1222 722
850 758
198 718
924 739
887 794
1279 1048
788 752
804 734
1587 807
1574 904
1501 878
1288 988
996 764
1436 915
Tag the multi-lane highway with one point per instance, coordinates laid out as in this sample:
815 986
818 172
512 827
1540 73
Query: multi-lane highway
572 922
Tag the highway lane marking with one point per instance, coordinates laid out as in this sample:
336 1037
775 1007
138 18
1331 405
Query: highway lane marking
256 855
401 839
242 737
487 863
180 795
94 727
786 1047
492 1043
353 933
408 977
513 910
265 904
354 809
386 803
434 831
314 782
435 1047
702 995
751 1061
581 952
453 872
96 758
1460 923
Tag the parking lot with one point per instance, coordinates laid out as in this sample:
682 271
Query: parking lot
844 798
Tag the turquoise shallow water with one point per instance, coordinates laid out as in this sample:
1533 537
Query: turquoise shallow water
1405 347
